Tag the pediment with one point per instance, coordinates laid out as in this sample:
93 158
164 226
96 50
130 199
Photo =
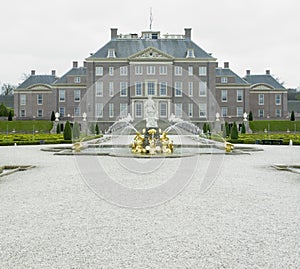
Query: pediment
151 53
39 87
262 87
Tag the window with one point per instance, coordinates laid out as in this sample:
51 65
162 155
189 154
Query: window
151 70
224 95
111 70
178 70
191 86
202 88
62 95
111 53
123 88
77 80
239 95
99 88
163 70
76 95
123 109
99 110
224 79
178 88
178 110
261 113
40 113
123 71
239 111
138 110
23 113
190 110
163 88
138 88
99 71
23 99
62 111
224 111
138 70
111 88
190 71
190 53
77 111
202 110
278 113
261 99
110 110
151 88
202 70
163 109
277 99
39 99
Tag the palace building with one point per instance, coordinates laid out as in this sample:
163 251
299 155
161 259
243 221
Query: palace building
177 73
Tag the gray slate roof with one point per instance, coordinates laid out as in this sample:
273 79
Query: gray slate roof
79 71
226 72
37 79
7 100
174 47
264 79
294 105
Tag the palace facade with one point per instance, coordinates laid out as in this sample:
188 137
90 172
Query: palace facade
178 74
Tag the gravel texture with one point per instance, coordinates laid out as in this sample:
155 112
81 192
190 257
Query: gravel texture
248 218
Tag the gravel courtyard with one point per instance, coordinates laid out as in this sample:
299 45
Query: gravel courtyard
249 217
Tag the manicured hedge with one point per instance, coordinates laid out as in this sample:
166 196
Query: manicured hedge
274 125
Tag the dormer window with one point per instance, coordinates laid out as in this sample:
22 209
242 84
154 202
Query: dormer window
190 53
224 79
111 53
77 80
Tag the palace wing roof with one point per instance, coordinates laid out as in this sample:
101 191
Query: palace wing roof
226 72
263 79
174 47
75 71
37 79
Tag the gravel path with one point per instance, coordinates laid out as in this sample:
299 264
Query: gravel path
249 217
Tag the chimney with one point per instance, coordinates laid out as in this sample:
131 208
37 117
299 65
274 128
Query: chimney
33 72
113 33
267 72
84 64
75 64
187 33
53 73
248 72
226 64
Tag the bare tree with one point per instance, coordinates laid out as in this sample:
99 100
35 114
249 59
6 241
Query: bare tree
7 89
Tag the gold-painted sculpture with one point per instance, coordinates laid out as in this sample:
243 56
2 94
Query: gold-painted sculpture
228 147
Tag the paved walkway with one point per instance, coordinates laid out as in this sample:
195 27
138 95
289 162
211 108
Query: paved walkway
248 218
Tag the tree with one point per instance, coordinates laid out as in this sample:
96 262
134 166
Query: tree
67 131
293 116
208 129
52 116
227 133
92 128
250 116
97 129
76 130
204 128
58 129
9 116
3 111
243 130
7 89
234 132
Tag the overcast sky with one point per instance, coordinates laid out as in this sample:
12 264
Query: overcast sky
47 35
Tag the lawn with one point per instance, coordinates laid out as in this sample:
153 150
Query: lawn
274 126
24 126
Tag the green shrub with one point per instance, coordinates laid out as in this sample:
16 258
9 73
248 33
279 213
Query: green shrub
243 130
250 116
76 130
67 131
58 131
52 116
9 116
293 116
234 132
97 129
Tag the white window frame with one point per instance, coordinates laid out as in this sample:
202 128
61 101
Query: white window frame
239 111
147 87
190 110
38 113
163 86
190 88
202 88
23 113
163 70
62 96
239 95
224 80
202 110
99 70
22 99
123 109
111 53
178 109
123 88
261 115
39 99
138 69
111 70
110 110
77 111
163 107
99 110
190 53
138 106
278 113
190 70
77 79
62 111
138 87
99 88
224 96
224 111
278 101
178 88
178 70
261 99
150 70
111 90
77 95
202 70
123 70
